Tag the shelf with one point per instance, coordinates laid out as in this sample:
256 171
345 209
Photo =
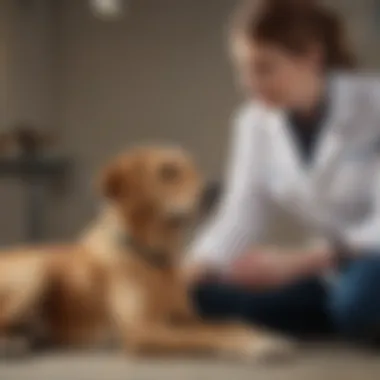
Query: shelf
33 167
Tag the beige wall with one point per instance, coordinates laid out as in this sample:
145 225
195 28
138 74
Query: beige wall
30 61
3 59
159 73
27 89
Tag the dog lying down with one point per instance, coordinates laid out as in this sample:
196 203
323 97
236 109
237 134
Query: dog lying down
123 277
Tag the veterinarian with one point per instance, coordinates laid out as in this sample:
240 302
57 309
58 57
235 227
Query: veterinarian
308 141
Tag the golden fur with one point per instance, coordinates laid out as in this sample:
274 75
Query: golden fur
101 286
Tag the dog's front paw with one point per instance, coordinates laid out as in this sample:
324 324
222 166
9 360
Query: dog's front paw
268 348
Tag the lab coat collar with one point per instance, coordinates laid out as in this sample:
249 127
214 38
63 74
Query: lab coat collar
330 144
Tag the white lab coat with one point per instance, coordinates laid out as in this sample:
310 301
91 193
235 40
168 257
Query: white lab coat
340 190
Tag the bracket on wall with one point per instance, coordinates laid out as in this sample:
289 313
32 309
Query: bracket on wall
23 157
35 172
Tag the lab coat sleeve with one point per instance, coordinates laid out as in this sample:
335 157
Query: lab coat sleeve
240 218
366 235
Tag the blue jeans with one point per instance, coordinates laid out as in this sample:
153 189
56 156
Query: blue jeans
350 306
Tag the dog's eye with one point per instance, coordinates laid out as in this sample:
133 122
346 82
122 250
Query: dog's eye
169 172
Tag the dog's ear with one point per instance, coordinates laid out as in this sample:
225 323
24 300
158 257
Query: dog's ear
121 178
113 181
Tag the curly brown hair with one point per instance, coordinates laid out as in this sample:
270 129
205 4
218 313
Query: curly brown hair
295 25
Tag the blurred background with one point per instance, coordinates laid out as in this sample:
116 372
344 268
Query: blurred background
94 77
98 82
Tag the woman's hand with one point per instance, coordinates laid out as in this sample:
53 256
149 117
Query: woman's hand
197 273
273 268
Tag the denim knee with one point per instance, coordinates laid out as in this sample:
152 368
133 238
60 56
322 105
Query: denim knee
348 315
218 301
354 302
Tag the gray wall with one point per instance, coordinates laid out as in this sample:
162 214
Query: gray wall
27 54
160 73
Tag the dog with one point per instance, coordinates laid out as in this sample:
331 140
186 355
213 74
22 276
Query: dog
123 278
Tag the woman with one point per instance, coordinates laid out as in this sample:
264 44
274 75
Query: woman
306 140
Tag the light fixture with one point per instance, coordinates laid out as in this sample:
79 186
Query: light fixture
108 9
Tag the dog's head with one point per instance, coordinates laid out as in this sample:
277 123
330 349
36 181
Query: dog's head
156 190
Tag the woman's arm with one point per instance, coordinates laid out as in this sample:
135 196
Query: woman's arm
268 268
366 235
241 215
265 268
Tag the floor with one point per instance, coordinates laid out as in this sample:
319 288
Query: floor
327 362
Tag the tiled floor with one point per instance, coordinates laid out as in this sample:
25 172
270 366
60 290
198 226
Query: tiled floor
323 362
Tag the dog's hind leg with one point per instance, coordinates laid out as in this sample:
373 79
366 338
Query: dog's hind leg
144 332
21 291
226 340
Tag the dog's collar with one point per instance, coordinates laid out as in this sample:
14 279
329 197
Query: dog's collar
154 257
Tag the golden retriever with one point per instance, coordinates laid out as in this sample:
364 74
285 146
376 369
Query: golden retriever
123 277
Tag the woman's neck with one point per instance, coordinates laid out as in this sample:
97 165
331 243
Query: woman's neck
312 98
